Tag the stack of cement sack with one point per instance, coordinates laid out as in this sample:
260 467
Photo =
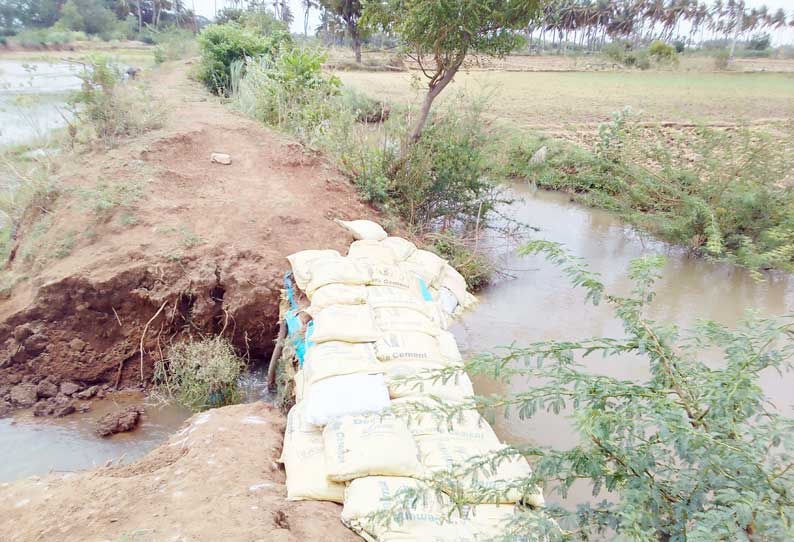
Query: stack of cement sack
378 315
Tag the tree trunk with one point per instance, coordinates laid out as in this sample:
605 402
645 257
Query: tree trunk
355 35
735 39
140 18
432 93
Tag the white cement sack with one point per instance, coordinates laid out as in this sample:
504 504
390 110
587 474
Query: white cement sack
364 229
421 379
449 348
338 294
336 271
304 460
454 281
401 248
370 445
402 346
390 319
441 452
348 323
447 300
347 395
427 265
336 358
302 264
372 252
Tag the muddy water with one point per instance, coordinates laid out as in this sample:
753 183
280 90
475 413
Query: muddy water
37 446
33 99
540 304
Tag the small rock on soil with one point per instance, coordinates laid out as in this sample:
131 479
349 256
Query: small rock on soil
58 406
68 388
46 389
221 158
24 395
119 421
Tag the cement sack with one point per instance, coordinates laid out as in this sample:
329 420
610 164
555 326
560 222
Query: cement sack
401 248
364 229
447 300
442 453
336 358
347 323
390 319
402 346
302 264
395 276
427 265
372 252
299 382
303 456
347 395
421 379
336 271
338 294
468 426
370 445
449 348
367 496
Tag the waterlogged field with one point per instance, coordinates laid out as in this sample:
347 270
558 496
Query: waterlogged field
570 100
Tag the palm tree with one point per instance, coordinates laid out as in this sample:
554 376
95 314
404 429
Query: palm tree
308 5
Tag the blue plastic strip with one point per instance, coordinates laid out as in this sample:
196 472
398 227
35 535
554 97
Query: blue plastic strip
426 295
294 324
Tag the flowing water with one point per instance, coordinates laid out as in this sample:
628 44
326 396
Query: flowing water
540 304
33 99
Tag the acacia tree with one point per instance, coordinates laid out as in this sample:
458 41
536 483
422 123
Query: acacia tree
439 35
348 11
693 452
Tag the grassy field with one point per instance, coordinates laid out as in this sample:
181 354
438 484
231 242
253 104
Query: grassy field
571 100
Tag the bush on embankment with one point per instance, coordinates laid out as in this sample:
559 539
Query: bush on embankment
721 193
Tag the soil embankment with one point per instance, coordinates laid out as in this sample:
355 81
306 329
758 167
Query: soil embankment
150 242
216 479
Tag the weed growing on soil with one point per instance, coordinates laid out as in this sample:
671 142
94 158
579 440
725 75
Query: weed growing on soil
722 193
200 374
112 109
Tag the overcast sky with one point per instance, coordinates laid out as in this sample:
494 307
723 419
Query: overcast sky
208 7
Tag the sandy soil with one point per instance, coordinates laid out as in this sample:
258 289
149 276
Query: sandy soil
152 232
216 479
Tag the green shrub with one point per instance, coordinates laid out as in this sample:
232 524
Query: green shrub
759 42
663 53
679 46
201 374
222 45
89 16
172 43
112 109
476 267
721 60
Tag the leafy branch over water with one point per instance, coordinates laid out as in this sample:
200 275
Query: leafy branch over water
695 451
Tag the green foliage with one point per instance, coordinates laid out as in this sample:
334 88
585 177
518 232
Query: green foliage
263 22
663 53
45 37
200 374
679 45
89 16
113 109
759 42
692 451
726 197
722 59
172 43
461 253
222 45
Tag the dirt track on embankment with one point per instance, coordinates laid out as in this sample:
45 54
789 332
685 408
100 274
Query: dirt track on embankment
215 480
203 242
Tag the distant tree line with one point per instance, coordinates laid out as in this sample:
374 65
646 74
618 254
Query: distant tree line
93 16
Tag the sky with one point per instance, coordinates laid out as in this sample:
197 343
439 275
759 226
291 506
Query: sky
207 9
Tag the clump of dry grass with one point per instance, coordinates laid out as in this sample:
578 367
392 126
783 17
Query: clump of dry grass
200 374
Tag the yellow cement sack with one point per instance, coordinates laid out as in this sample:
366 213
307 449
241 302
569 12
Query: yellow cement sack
371 494
346 395
338 294
347 323
442 453
381 297
369 445
402 346
449 348
401 248
400 319
372 252
302 264
335 358
303 456
427 265
336 271
395 276
418 379
364 229
467 425
454 281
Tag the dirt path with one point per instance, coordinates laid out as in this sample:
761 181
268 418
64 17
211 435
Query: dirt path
151 224
217 479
